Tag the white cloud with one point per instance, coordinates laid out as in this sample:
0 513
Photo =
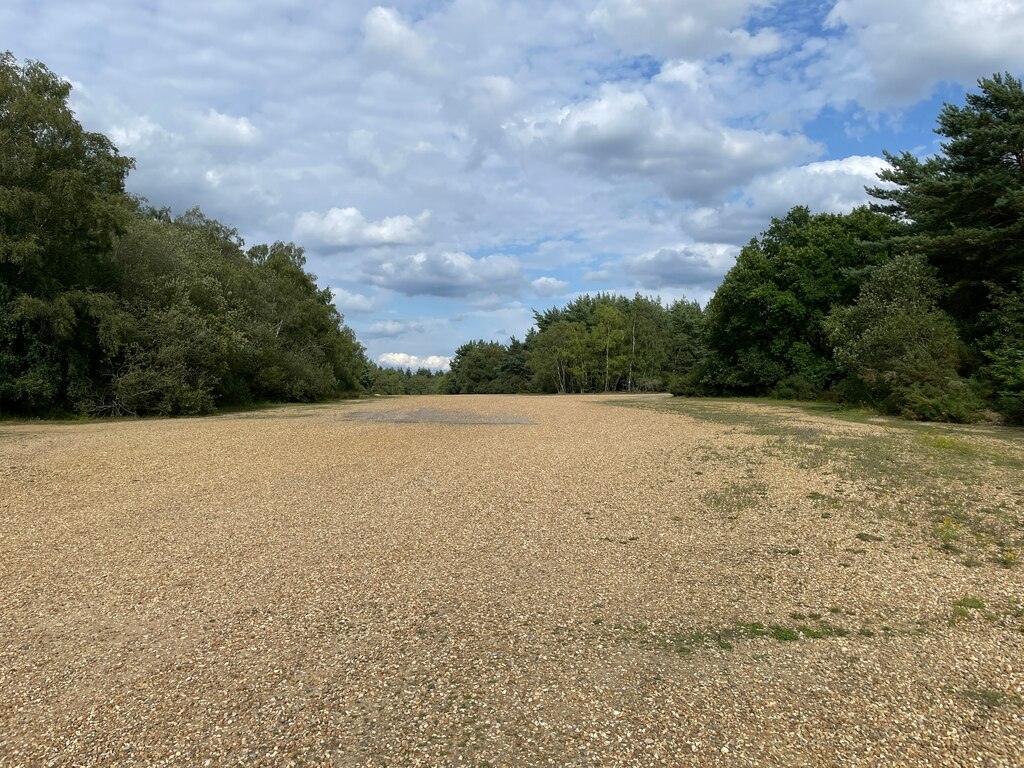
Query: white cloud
892 54
367 156
215 128
448 274
686 72
349 301
622 133
135 134
389 329
830 186
696 265
549 286
348 228
404 360
493 92
487 302
532 128
390 40
597 275
682 28
498 323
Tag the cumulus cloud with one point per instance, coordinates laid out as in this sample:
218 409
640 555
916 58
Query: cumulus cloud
892 54
684 29
218 129
513 318
391 41
597 275
549 286
687 73
367 157
622 133
448 275
829 186
389 329
134 134
348 228
573 135
404 360
349 301
696 265
490 93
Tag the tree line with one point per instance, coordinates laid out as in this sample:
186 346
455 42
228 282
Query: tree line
111 306
381 380
602 343
913 305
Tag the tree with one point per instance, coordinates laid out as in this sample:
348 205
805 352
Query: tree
764 324
1003 350
900 351
62 204
686 346
648 341
608 339
514 370
111 306
217 325
965 206
476 368
548 357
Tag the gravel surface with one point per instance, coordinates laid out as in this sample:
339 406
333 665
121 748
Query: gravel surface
503 581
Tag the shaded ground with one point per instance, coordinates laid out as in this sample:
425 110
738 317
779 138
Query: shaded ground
511 581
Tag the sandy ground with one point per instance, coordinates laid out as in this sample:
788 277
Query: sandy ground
481 581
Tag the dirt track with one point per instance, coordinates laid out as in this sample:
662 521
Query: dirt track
482 581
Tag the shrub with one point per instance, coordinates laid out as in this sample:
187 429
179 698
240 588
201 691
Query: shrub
899 351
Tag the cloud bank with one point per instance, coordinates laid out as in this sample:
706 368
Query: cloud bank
463 159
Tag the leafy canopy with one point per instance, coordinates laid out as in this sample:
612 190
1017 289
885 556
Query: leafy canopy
965 206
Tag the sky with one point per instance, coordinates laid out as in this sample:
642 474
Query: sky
450 166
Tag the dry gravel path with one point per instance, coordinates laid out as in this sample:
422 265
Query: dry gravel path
485 581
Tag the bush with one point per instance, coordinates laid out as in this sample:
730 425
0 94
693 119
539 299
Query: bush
795 387
1004 353
899 351
925 401
685 385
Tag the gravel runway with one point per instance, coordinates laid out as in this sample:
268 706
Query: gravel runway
486 581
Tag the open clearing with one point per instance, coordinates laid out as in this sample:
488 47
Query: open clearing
502 581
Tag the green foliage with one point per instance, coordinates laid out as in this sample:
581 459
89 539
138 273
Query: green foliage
609 343
62 204
1003 350
896 344
547 355
601 343
392 381
607 337
108 306
217 325
899 350
687 348
764 323
965 206
477 368
61 187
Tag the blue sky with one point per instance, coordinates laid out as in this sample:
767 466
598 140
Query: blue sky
451 166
